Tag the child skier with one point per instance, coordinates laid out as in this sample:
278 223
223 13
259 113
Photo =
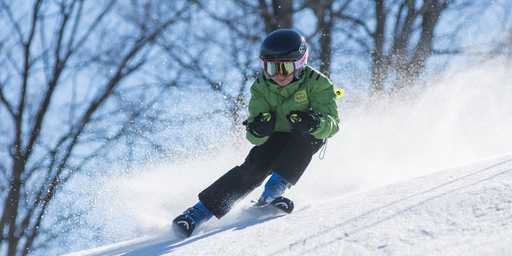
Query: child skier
292 111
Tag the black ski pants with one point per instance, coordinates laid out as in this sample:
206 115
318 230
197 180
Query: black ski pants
287 154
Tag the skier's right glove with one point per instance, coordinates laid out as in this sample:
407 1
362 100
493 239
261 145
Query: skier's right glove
263 124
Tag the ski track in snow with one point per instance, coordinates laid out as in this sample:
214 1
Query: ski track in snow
461 211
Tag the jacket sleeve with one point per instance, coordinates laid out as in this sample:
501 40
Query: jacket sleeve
323 101
257 104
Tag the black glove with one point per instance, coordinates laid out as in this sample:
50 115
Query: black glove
303 122
263 124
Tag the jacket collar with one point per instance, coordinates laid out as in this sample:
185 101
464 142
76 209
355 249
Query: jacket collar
288 90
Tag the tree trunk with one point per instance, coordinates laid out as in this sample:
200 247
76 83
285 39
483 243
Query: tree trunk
325 19
281 16
380 65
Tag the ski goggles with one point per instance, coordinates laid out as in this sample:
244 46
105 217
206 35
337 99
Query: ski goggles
285 68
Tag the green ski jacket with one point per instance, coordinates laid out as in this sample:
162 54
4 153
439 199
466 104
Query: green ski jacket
313 93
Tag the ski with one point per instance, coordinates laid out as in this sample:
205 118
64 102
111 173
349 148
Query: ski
281 203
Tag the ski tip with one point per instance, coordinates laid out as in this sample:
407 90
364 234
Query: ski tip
284 204
183 226
281 203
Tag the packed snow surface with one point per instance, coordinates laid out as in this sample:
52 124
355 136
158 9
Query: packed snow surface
461 211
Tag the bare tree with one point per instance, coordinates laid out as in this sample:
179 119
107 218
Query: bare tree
63 74
223 59
245 29
408 64
325 18
399 35
399 52
279 15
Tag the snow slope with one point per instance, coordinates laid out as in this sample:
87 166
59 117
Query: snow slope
428 175
460 211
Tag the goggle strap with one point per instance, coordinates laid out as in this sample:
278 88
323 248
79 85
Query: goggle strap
299 63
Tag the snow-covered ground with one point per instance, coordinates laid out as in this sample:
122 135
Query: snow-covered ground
426 176
461 211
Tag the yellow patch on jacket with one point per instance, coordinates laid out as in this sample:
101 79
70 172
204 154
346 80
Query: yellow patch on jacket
301 97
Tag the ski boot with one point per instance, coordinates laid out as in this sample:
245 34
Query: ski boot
184 224
274 188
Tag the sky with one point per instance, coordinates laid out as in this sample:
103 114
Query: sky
420 176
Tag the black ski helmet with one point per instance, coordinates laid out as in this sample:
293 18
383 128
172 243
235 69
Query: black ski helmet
285 45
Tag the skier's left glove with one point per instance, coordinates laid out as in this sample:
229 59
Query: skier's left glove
303 122
263 124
